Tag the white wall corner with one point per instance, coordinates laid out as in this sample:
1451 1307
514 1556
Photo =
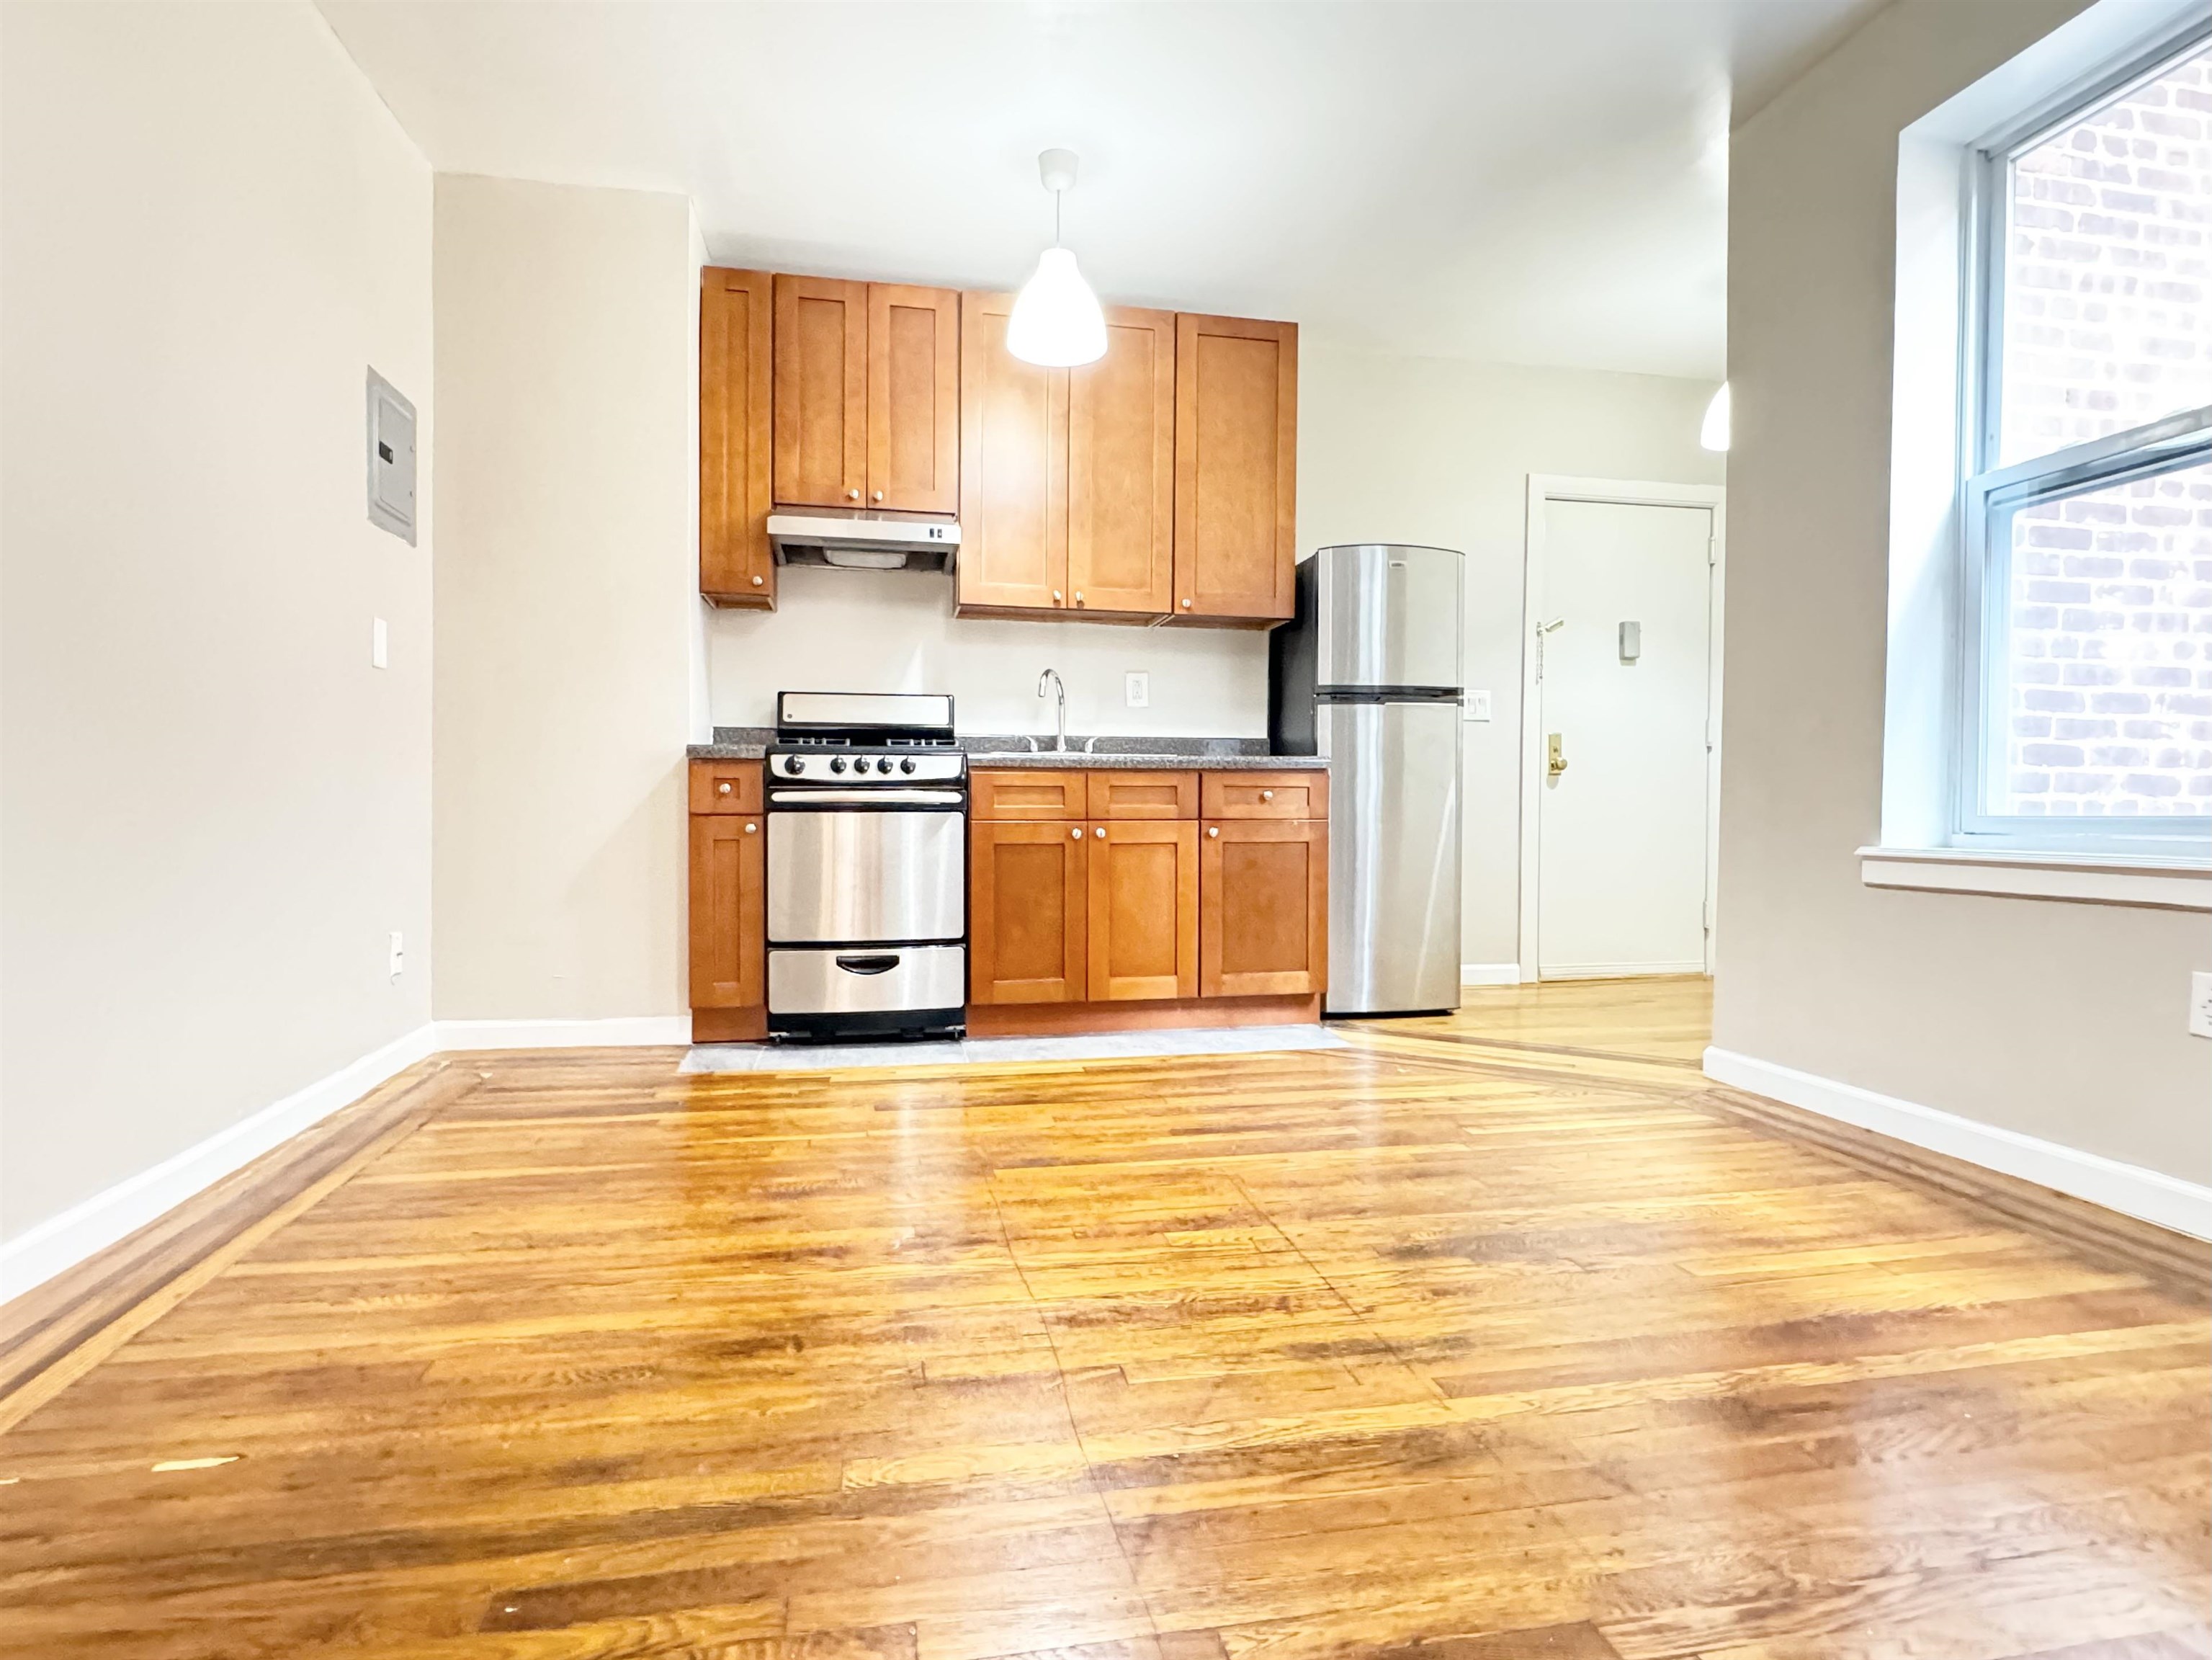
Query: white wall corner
64 1240
2149 1194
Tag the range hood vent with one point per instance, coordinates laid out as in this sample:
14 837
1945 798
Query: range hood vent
863 544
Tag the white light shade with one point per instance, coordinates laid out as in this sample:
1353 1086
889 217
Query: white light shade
1056 321
1714 434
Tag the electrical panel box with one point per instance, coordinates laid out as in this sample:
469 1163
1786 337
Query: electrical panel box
391 458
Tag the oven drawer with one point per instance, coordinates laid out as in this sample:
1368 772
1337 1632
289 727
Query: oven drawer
866 875
865 980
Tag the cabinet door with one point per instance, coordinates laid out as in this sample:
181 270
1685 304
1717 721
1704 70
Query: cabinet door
1236 399
821 392
1013 469
1028 913
729 885
913 398
735 329
1121 468
1263 909
1144 909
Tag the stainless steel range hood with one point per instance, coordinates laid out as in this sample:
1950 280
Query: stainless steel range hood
863 544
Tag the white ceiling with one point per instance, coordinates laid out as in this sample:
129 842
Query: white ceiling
1534 181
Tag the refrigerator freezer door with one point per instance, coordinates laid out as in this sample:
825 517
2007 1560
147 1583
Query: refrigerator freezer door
1394 869
1388 616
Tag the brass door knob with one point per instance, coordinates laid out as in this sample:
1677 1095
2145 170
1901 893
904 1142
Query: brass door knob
1555 754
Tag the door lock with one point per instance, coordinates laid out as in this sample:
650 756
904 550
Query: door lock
1555 756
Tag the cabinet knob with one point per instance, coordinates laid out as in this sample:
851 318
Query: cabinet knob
1266 795
852 496
1185 604
722 789
751 829
880 496
760 581
1078 596
1055 596
1100 832
1213 829
1076 832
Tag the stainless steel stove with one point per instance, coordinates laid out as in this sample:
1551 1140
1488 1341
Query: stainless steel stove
867 868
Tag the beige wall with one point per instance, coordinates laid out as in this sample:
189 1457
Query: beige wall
1429 450
567 598
2062 1021
214 809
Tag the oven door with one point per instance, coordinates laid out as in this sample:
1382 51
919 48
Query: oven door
865 874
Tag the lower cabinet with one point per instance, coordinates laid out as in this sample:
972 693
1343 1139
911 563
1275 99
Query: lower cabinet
729 892
1144 909
1029 911
1263 908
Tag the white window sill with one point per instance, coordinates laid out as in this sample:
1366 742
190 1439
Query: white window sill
2097 879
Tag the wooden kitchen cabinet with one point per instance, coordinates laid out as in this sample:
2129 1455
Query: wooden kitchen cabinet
1121 468
820 417
1144 882
1013 470
1068 484
867 395
736 332
1263 910
1114 794
1235 490
728 897
1300 794
1021 793
1028 913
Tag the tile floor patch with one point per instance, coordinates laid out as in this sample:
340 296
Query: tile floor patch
1006 1051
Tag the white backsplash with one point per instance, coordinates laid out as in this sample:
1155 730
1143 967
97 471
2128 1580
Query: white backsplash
842 631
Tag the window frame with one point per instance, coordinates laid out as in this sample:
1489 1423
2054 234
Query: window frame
1988 494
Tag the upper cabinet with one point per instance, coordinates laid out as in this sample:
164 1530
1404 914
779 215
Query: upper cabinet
867 395
1237 400
913 398
1067 498
1158 483
821 392
735 330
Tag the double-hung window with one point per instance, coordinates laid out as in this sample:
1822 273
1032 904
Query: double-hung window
2085 686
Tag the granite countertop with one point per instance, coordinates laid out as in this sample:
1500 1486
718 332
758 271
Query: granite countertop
1112 754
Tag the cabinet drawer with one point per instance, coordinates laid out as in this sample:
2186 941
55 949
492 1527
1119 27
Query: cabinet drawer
1022 795
1143 794
725 787
1266 795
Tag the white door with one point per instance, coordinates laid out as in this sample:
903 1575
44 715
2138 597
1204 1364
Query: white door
1624 663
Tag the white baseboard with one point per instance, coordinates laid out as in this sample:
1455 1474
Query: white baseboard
62 1241
623 1031
1490 974
2167 1200
1618 970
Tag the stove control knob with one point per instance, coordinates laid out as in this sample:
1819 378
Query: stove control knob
906 765
836 763
794 764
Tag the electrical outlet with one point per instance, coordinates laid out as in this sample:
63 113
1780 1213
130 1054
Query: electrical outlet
399 954
2200 1005
1477 706
1137 689
379 644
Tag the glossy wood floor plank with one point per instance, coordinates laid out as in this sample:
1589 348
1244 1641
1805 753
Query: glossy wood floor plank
1492 1336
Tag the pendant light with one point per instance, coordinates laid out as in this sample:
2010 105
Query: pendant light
1713 435
1057 322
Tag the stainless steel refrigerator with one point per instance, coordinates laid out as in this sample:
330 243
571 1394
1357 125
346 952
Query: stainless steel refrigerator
1368 674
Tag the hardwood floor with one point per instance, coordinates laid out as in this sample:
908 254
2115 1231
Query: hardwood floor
1488 1338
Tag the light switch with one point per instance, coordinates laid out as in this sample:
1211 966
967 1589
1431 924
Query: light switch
379 644
1477 707
1137 689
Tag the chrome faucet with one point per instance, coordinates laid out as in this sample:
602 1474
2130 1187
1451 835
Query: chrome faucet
1060 722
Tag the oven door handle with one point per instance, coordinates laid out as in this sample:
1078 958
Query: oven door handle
879 962
835 798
